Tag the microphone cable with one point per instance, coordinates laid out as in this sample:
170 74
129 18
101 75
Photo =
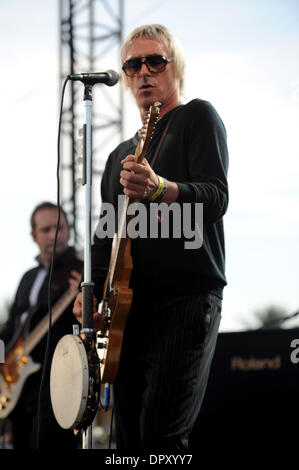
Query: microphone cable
46 358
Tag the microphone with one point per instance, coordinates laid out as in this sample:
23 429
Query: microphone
109 78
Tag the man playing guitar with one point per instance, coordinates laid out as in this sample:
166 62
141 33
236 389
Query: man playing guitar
26 314
172 326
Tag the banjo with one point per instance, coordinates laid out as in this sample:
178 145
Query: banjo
80 364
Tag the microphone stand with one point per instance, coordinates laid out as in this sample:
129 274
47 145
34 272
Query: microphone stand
87 330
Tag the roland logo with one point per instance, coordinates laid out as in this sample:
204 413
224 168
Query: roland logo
253 363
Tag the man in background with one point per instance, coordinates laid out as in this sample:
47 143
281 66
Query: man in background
30 305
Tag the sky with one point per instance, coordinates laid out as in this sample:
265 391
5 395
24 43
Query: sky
242 56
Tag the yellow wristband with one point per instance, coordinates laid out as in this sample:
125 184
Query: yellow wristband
159 190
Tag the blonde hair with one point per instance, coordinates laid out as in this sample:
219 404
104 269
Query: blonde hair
160 34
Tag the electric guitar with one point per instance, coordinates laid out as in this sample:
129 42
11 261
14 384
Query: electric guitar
18 364
117 296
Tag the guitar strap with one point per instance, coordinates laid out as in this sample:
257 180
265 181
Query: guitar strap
163 136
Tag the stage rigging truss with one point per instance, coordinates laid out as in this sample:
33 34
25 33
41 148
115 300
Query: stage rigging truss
90 39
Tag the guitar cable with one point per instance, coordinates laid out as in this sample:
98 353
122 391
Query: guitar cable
46 358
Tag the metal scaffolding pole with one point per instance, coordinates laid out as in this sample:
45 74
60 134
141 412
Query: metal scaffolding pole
90 38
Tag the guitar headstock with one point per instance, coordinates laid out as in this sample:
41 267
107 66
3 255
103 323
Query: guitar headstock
147 130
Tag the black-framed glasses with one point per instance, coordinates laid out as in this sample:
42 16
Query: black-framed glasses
155 63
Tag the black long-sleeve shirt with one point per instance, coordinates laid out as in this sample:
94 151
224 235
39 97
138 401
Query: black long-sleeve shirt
194 155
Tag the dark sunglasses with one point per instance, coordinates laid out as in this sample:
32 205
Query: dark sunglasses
154 63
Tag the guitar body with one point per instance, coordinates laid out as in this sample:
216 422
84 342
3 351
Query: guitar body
13 374
110 345
109 341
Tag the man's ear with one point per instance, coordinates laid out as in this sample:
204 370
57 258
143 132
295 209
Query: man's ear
33 235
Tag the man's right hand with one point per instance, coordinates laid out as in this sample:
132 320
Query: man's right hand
99 320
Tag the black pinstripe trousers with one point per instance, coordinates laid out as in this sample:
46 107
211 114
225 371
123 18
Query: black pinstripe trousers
167 353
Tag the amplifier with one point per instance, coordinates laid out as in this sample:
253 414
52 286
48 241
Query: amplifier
253 388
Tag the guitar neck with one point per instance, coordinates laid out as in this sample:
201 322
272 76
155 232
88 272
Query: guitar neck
41 329
120 238
119 244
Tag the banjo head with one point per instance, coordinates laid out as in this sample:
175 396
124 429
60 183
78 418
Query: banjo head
69 381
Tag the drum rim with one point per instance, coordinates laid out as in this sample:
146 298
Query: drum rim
79 345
